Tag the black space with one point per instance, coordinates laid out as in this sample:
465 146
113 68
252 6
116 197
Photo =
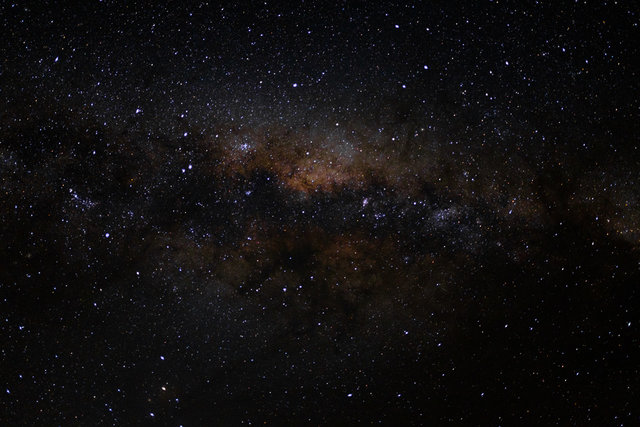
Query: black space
324 213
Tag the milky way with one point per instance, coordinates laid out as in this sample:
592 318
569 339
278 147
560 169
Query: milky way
302 213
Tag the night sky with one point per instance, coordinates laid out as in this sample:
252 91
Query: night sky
322 213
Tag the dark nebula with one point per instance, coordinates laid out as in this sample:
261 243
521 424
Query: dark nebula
319 213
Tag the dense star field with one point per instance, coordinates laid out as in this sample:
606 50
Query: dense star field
321 213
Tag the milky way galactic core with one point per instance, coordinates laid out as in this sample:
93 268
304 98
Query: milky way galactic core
314 213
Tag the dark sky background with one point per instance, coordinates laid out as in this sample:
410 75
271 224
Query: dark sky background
225 213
